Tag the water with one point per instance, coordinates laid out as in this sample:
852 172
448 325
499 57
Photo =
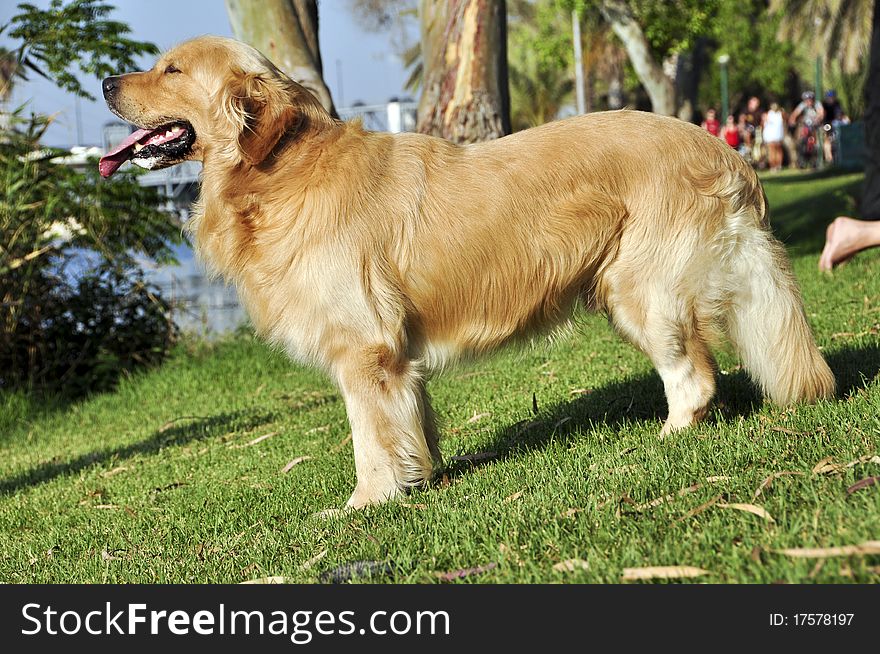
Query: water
201 305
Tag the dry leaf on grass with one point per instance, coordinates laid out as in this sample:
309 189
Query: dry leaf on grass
570 513
312 561
571 565
417 505
868 458
816 569
258 439
105 506
514 497
826 466
345 441
769 480
114 471
667 498
754 509
698 510
267 580
870 547
295 462
790 432
465 572
663 572
861 484
477 417
680 493
623 499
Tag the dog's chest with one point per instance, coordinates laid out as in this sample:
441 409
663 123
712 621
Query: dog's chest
314 305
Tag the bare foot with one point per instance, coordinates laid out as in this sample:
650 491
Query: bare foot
845 237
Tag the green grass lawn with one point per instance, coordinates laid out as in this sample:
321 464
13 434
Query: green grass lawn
177 476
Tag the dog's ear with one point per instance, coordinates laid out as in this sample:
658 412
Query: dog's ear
262 111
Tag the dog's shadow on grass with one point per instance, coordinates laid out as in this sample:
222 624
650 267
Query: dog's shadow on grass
854 367
642 399
181 431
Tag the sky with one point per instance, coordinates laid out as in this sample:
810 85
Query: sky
370 71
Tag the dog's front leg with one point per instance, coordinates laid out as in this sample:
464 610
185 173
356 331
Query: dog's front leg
385 399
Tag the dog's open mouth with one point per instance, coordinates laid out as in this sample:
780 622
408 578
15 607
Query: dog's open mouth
151 148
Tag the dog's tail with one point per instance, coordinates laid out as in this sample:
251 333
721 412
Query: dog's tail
765 316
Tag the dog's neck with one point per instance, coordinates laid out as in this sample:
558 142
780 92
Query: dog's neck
237 199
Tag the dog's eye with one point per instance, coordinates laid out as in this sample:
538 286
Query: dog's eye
171 68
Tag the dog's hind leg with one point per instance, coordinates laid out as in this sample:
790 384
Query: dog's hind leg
386 403
670 335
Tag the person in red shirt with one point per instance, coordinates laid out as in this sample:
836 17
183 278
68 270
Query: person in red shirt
711 123
731 133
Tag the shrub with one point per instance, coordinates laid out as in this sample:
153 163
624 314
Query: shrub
75 311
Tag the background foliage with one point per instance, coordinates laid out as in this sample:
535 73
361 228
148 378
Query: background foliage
75 311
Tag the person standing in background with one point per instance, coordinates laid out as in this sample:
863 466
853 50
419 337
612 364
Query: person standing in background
833 118
752 119
730 133
711 124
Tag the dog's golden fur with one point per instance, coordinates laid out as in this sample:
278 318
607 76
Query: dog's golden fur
381 257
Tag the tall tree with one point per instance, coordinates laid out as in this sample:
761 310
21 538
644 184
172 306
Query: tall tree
465 95
838 29
760 63
657 84
64 38
540 60
8 66
846 30
659 38
286 31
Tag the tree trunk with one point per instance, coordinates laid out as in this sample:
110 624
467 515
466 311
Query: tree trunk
286 31
687 80
590 91
870 207
465 95
659 87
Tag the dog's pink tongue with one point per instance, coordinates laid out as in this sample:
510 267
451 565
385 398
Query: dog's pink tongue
111 161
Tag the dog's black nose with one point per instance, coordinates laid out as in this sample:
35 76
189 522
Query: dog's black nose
109 86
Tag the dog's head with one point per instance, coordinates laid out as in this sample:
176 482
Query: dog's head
207 97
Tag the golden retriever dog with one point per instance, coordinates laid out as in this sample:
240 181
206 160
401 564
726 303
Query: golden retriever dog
380 258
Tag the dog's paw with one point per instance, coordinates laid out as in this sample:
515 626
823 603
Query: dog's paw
366 494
